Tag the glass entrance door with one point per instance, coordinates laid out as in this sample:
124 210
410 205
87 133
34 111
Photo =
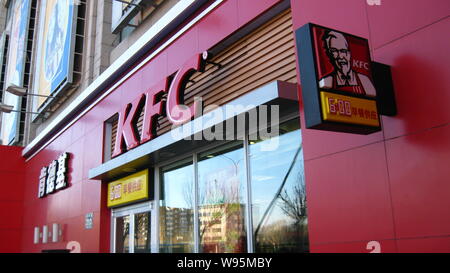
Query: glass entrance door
122 234
131 229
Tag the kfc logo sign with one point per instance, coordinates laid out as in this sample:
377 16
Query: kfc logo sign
153 106
54 176
336 63
343 62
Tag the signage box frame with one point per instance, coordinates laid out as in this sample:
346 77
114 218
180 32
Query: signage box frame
311 92
144 195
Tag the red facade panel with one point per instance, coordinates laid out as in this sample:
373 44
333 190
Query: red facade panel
84 140
156 69
348 196
93 152
420 68
395 19
249 10
382 246
10 239
410 171
419 175
224 20
424 245
386 187
12 185
349 16
12 167
131 89
11 161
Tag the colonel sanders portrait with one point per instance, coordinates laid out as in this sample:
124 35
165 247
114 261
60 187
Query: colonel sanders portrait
343 77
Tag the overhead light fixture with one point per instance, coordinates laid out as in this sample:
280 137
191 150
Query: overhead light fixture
207 56
5 108
22 91
16 90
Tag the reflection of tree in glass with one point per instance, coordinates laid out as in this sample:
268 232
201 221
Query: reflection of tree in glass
221 211
141 232
176 209
123 226
284 235
294 204
188 194
278 193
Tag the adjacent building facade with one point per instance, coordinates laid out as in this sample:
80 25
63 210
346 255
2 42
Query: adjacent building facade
179 126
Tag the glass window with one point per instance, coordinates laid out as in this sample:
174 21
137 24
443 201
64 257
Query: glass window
132 226
221 178
177 209
142 232
280 221
122 234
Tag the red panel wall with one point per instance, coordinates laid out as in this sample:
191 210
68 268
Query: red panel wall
84 139
391 187
12 167
69 206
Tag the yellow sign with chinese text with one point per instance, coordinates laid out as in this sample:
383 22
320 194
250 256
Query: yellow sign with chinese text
129 189
339 108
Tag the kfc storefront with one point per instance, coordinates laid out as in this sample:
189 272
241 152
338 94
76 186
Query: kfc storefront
232 133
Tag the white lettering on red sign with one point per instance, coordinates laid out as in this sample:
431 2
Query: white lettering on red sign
42 182
361 64
61 172
53 177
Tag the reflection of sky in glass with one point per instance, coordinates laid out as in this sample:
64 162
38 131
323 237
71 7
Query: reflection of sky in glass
222 177
268 170
221 188
178 187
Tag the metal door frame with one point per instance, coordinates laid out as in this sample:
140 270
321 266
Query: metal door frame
131 211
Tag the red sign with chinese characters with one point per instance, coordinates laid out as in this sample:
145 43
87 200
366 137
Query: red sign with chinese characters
54 176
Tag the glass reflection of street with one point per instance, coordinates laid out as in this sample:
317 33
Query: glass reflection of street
221 200
278 193
278 198
177 209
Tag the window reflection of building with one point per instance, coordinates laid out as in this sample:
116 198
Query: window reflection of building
222 228
142 233
221 205
122 234
278 204
176 228
176 211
